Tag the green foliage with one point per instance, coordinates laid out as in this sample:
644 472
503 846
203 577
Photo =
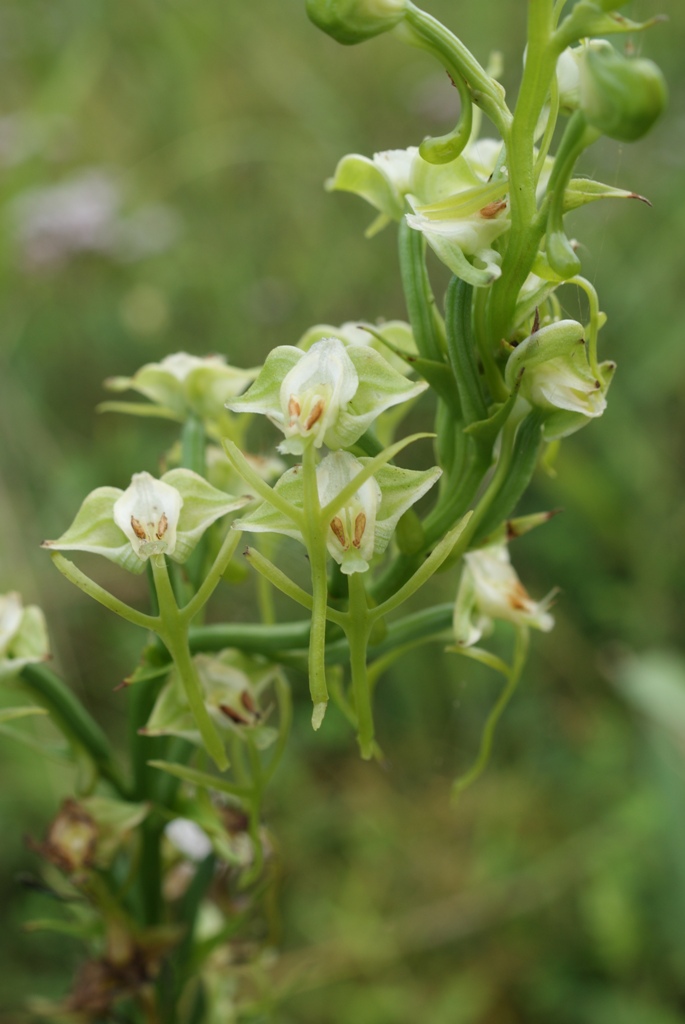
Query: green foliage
556 892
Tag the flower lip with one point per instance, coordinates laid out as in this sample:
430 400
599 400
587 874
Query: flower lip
148 512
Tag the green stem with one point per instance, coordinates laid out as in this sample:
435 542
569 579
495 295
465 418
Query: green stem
315 540
481 762
418 294
526 231
357 631
439 554
174 633
278 579
102 596
73 720
213 577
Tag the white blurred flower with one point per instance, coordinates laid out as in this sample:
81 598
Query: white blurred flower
189 839
84 214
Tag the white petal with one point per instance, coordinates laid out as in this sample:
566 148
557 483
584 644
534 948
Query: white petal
316 390
148 513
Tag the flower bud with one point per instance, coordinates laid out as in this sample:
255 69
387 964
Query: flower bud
620 96
353 21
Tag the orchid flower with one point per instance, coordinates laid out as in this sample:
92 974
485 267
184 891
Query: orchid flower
490 589
151 517
329 395
360 528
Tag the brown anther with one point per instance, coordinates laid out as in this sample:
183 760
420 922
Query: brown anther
248 703
359 527
163 526
518 597
294 408
314 415
138 529
339 530
234 715
492 209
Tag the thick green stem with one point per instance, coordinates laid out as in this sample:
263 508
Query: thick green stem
357 631
315 540
73 720
102 596
418 294
514 675
526 231
174 634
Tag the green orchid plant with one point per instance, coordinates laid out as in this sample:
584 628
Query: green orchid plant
504 376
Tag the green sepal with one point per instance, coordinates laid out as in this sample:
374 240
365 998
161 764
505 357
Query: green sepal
262 394
202 506
557 339
95 531
437 374
581 191
361 176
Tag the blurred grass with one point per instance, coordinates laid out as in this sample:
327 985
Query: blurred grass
555 891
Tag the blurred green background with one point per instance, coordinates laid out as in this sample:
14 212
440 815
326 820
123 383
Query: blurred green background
190 140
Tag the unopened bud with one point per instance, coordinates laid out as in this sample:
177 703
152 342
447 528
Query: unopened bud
353 21
620 96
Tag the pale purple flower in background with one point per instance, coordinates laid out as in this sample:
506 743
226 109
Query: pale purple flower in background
84 214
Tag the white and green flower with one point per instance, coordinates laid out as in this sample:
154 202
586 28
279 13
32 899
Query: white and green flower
329 395
396 333
456 206
182 385
363 525
490 589
23 635
232 684
553 373
151 517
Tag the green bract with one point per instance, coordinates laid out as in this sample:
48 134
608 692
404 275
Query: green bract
620 96
329 395
231 686
553 373
23 635
182 385
152 517
490 589
364 525
353 21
